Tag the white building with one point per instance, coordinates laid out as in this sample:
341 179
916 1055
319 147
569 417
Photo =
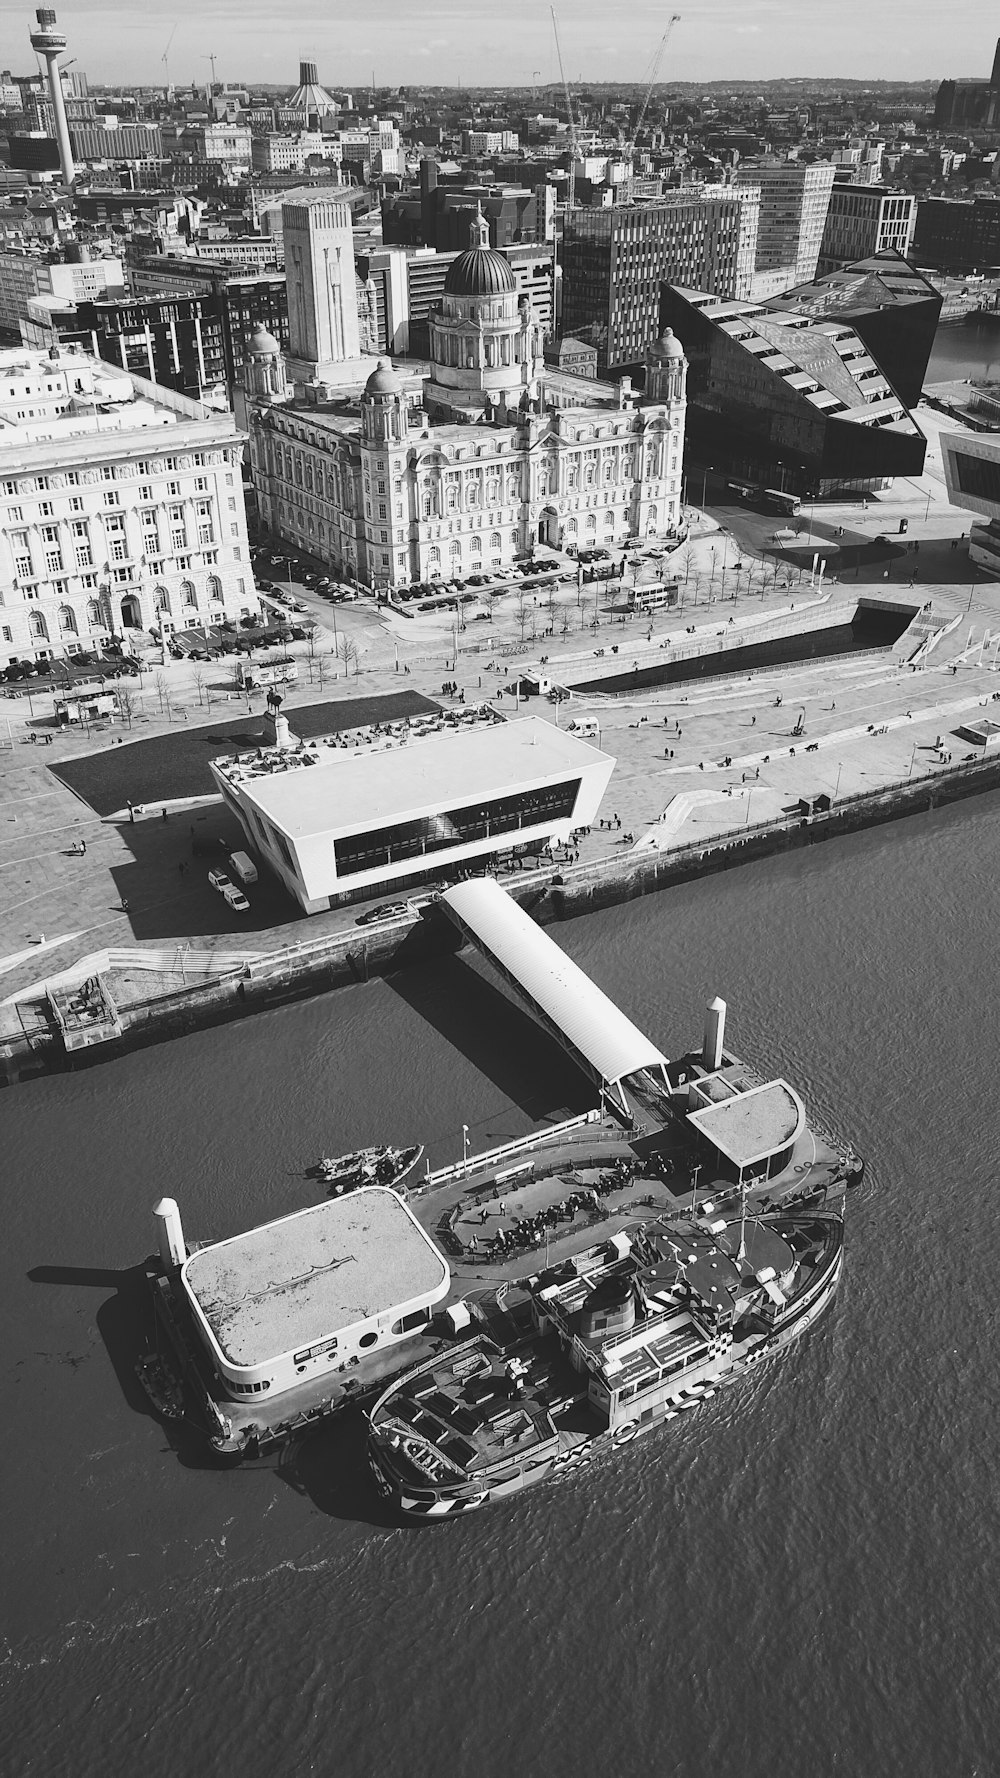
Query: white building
24 276
972 477
392 479
121 507
301 1297
337 823
794 201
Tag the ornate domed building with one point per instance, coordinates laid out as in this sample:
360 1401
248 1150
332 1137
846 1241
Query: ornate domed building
391 477
484 344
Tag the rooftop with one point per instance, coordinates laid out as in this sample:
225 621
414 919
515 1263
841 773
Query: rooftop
319 793
58 400
300 1280
749 1127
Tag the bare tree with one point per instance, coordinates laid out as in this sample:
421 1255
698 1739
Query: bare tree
522 612
126 702
687 561
160 683
564 624
348 651
322 666
198 679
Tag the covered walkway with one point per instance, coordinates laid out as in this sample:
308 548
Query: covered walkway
596 1033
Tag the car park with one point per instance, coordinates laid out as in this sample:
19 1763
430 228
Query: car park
390 910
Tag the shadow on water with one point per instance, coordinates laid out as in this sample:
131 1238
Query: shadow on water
126 1324
495 1036
330 1468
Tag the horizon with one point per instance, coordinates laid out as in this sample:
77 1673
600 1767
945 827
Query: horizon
450 43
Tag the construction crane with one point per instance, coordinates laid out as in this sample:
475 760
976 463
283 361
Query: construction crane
165 59
571 189
675 19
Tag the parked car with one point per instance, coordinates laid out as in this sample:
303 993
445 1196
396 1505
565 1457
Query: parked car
220 881
236 899
390 910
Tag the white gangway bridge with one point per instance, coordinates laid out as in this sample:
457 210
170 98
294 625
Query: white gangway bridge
564 1000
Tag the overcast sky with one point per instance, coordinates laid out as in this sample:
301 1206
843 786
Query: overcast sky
510 42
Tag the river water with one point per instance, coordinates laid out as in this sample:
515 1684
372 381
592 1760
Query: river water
964 351
799 1578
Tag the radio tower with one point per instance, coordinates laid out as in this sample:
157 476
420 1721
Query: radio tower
47 41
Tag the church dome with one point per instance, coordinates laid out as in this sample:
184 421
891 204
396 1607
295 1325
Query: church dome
383 380
668 345
261 343
479 272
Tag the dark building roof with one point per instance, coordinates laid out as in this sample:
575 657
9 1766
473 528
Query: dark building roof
783 391
480 272
889 303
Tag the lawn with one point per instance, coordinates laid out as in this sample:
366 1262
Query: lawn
175 765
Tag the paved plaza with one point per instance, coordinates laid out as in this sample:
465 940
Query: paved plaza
693 761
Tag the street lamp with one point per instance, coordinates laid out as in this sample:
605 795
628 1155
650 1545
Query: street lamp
840 767
465 1145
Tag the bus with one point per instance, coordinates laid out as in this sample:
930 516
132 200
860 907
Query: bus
654 598
253 673
775 501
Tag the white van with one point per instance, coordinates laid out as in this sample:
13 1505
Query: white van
243 867
585 725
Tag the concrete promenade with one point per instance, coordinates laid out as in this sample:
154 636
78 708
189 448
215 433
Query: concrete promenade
865 722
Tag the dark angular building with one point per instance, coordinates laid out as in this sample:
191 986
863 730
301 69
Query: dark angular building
891 306
782 401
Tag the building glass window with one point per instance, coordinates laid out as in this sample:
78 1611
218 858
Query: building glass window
454 827
67 620
188 594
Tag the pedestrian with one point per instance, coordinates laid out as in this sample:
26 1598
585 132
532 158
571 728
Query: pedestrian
182 867
131 812
163 814
124 905
753 722
83 848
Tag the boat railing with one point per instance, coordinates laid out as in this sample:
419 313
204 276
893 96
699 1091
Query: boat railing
490 1157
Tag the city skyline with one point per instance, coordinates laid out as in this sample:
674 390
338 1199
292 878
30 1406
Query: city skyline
446 43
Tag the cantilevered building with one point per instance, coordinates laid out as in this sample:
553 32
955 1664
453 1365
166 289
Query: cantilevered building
891 306
789 402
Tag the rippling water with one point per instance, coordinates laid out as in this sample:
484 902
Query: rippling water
798 1579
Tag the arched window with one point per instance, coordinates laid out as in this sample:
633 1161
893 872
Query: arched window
477 546
161 599
591 521
455 547
67 620
427 505
609 472
434 554
515 539
571 525
214 587
188 594
94 618
37 627
588 475
496 541
451 498
493 492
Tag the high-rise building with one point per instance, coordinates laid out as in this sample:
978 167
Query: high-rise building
49 42
866 219
794 199
24 276
324 342
614 261
121 508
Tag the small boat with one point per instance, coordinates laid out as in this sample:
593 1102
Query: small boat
366 1166
161 1385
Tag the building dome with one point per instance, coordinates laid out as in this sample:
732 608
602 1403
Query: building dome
668 345
383 380
479 272
261 342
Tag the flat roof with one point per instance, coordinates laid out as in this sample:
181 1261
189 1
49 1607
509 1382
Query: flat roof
362 788
593 1025
292 1283
749 1127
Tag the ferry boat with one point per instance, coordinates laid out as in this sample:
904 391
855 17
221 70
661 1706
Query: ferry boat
366 1166
587 1355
